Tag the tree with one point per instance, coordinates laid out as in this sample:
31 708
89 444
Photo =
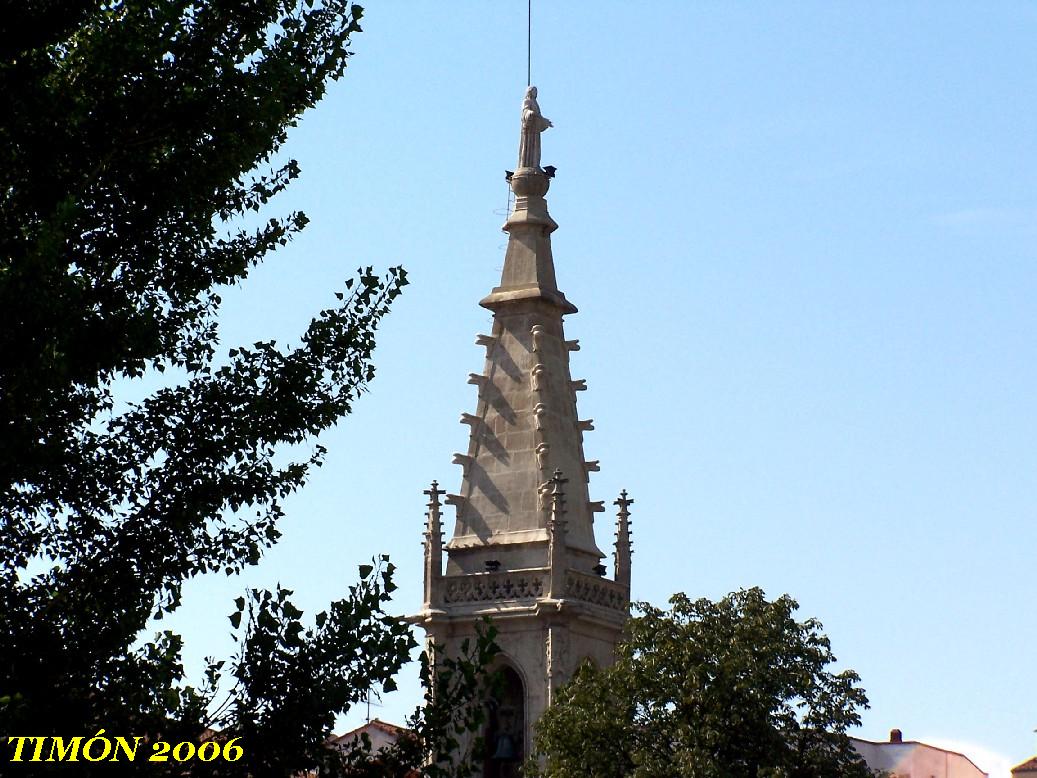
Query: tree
729 689
137 140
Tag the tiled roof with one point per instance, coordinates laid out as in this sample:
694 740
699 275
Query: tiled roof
384 726
1029 766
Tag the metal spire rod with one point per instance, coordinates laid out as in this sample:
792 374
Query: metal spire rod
529 42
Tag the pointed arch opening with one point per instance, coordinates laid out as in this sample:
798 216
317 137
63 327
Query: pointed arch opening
504 736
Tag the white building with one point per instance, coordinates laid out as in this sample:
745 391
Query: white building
911 759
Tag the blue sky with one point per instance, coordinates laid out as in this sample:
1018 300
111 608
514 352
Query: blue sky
803 240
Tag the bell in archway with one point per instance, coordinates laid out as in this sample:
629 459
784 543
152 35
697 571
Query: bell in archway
505 750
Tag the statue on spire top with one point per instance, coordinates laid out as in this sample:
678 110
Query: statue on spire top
533 123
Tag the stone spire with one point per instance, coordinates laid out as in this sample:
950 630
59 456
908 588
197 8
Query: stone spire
624 546
525 426
433 548
556 537
523 551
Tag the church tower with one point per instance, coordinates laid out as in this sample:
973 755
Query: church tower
523 551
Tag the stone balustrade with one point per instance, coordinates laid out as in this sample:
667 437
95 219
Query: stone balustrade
596 590
531 585
488 587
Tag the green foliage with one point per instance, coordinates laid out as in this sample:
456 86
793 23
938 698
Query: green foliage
136 137
729 689
452 712
290 680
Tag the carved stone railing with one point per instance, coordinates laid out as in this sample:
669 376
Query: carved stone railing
595 590
531 585
487 587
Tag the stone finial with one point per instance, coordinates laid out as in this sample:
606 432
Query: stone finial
533 123
543 490
623 502
434 525
558 494
539 410
433 546
556 536
539 333
542 452
624 545
536 376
